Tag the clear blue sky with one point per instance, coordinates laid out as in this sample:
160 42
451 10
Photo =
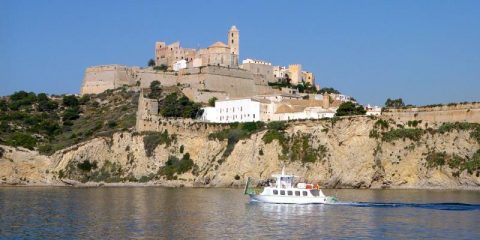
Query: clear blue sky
424 51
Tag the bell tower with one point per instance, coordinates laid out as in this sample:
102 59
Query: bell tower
234 40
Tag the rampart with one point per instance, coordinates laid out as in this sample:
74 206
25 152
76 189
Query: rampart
97 79
148 119
465 112
199 84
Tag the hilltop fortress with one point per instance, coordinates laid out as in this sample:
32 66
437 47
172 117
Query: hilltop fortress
201 73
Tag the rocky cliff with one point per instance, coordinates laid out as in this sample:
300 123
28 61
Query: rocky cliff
356 152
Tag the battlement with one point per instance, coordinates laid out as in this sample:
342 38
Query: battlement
461 112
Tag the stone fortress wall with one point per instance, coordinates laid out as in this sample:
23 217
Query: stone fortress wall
199 84
468 112
100 78
148 119
207 72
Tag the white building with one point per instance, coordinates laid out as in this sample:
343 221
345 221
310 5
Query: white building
227 111
180 64
373 110
266 108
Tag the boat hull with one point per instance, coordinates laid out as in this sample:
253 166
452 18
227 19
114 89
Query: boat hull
291 199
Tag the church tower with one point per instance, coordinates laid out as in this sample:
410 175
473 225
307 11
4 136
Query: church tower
234 41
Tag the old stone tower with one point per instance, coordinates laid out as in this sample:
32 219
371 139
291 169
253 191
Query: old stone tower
234 41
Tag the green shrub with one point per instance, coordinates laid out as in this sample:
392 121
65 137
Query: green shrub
71 113
87 166
383 124
473 164
84 99
349 109
3 105
277 125
46 149
155 90
374 134
414 134
211 101
21 98
109 172
235 133
435 159
22 140
2 151
162 67
413 123
111 124
175 106
302 150
251 127
175 166
181 148
152 139
462 126
271 135
70 101
45 104
455 162
148 178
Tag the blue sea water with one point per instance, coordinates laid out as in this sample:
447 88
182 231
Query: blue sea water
183 213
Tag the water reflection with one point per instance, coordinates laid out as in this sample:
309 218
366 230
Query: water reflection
119 213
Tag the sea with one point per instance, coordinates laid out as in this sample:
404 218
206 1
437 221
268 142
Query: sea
225 213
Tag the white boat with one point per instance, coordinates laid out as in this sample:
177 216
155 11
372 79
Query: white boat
284 191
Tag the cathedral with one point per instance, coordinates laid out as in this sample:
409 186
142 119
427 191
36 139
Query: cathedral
217 54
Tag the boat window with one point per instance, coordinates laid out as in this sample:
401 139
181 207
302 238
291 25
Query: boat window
305 193
315 192
282 192
275 192
290 193
297 193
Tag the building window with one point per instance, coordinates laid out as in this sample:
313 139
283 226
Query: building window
290 193
275 192
297 193
305 193
282 192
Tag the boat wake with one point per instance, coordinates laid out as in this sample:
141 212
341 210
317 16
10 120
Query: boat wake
434 206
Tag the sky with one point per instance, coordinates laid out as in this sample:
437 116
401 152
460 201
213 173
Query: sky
425 52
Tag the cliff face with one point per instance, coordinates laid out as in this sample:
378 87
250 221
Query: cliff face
341 153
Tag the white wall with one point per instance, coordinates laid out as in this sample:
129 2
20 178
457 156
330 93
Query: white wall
228 111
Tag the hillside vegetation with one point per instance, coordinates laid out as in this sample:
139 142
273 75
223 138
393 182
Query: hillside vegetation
49 123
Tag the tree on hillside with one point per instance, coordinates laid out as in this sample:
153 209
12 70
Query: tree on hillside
328 90
349 109
21 98
162 67
394 103
155 90
175 106
70 101
45 104
151 62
